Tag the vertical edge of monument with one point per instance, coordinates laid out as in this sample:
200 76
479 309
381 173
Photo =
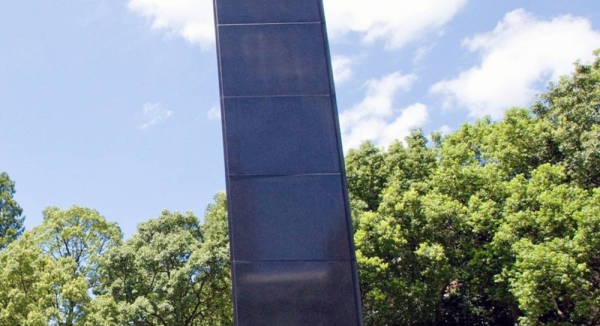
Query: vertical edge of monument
342 166
224 131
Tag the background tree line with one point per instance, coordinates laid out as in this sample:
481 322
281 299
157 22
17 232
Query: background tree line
497 223
75 268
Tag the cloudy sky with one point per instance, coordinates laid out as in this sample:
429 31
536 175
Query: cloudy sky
113 104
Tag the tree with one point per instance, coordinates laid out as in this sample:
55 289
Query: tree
365 167
548 243
26 279
37 289
572 109
11 222
216 241
498 223
173 271
74 239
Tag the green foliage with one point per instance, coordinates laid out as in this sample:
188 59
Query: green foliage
496 224
47 275
80 234
11 222
216 242
74 270
572 109
75 238
27 277
172 272
366 167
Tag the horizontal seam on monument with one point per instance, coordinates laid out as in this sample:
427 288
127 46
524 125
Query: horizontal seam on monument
266 96
283 175
268 24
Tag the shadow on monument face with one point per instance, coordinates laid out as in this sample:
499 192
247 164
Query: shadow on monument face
296 293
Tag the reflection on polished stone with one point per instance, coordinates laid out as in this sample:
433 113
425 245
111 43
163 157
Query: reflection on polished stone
295 293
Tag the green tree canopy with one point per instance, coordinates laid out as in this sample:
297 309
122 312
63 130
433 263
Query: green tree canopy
572 110
11 222
495 224
47 275
27 278
173 271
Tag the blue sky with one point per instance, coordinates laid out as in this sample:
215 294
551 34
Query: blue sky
114 104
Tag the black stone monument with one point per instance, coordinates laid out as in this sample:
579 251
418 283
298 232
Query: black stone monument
292 253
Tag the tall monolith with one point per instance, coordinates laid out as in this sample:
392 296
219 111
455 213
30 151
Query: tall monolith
290 230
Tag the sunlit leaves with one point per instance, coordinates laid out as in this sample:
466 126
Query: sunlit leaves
173 271
11 222
498 223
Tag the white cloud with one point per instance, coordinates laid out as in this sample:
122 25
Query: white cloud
376 118
395 22
519 55
411 117
154 113
191 19
214 113
342 68
444 130
422 52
